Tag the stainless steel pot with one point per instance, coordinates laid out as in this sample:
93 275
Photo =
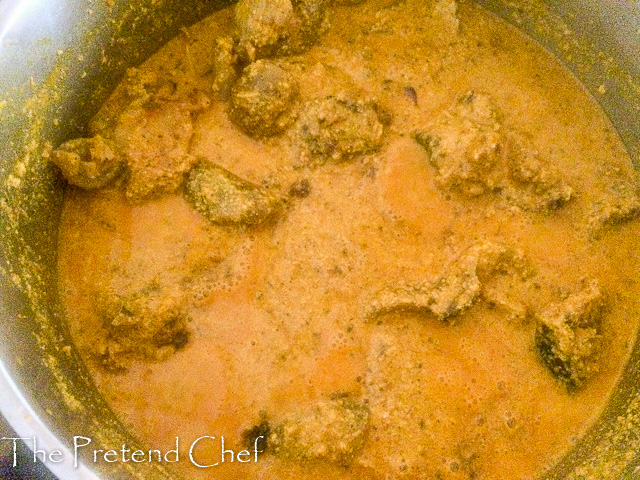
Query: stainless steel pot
59 60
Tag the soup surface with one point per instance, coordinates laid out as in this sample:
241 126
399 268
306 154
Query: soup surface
396 239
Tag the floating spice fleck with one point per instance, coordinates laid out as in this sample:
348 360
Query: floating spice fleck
411 94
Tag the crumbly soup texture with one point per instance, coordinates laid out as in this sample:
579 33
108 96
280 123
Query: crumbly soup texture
395 239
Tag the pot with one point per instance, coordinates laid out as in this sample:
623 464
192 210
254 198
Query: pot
60 60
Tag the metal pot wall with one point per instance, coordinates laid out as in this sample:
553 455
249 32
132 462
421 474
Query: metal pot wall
60 59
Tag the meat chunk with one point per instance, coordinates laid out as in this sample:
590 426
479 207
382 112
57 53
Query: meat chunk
262 98
264 26
466 146
278 27
533 185
331 431
568 337
87 162
224 198
150 125
621 204
336 129
462 284
144 324
474 156
156 143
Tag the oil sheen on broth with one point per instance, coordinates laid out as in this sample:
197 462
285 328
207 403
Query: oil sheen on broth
395 237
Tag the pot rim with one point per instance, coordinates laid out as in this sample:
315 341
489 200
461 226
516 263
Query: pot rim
27 425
